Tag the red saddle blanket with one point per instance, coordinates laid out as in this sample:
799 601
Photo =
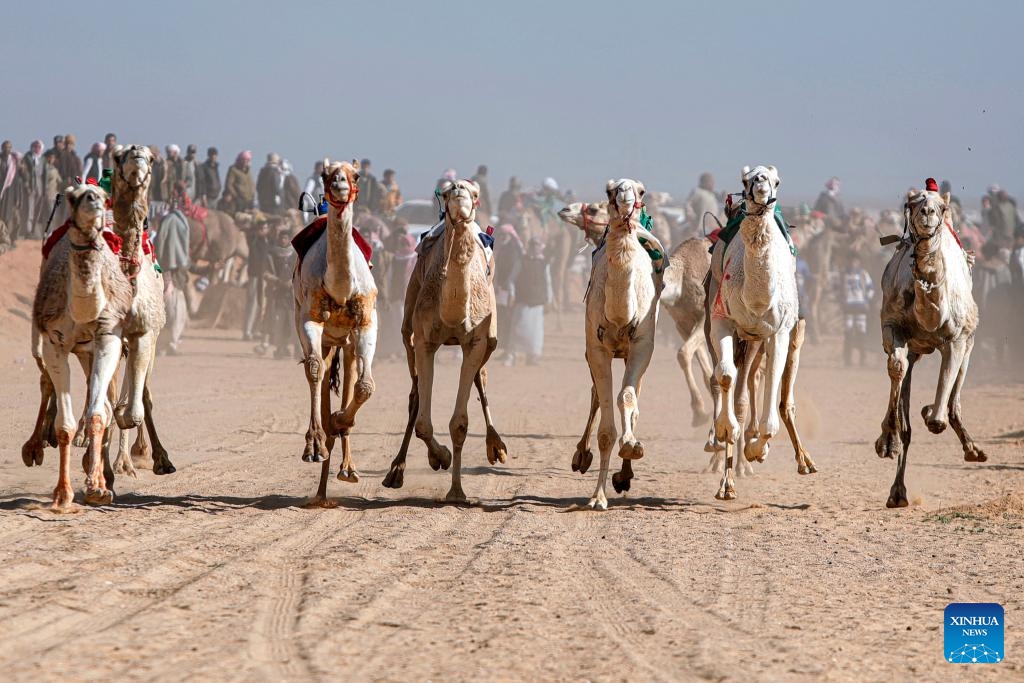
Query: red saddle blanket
311 233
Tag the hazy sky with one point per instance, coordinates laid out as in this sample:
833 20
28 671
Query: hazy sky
881 94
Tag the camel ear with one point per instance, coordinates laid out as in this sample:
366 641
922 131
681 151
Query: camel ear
642 189
609 188
446 187
355 165
775 172
327 165
475 187
945 199
119 153
743 175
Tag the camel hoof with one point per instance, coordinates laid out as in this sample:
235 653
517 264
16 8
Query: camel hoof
350 475
63 500
395 477
32 453
897 502
441 460
312 457
807 468
887 445
598 504
936 426
125 466
163 466
455 495
726 493
496 449
756 449
631 450
971 454
320 502
81 439
620 483
582 460
99 497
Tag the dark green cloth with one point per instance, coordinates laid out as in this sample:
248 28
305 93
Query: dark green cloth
733 226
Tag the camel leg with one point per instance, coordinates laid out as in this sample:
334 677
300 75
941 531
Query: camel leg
777 352
898 491
320 499
685 355
804 464
583 457
936 415
748 359
310 336
496 449
359 386
629 408
60 375
600 361
33 449
105 359
81 433
131 411
472 359
727 428
123 464
161 460
438 456
971 451
396 473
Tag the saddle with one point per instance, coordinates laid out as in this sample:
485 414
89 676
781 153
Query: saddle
305 240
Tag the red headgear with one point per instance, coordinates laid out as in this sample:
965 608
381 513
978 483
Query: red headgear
931 185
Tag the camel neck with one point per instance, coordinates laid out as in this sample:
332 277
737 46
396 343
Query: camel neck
760 284
341 252
130 208
87 298
627 263
461 266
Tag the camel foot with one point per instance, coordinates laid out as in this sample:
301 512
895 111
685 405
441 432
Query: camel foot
312 457
716 463
63 499
439 459
99 496
321 502
582 460
934 426
806 467
598 503
713 445
888 445
496 450
971 454
757 449
620 482
897 501
727 490
455 495
395 477
348 475
124 465
163 466
32 453
124 420
631 450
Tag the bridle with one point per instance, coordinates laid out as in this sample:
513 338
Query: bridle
451 238
637 204
134 151
748 197
353 191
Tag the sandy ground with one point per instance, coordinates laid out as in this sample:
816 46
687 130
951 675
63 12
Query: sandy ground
218 572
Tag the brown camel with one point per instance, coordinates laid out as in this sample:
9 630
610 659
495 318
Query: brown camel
450 302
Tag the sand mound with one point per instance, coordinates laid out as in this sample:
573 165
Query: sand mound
1004 507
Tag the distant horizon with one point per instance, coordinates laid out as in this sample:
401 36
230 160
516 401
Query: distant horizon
882 96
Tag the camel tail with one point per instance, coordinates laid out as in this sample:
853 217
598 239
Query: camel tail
335 376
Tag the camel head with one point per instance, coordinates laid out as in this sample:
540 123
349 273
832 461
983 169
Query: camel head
592 219
926 211
134 164
625 199
760 184
340 182
88 204
460 199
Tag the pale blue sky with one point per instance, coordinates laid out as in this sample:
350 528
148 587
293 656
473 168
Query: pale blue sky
880 93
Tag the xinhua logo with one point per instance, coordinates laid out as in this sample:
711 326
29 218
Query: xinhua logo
974 633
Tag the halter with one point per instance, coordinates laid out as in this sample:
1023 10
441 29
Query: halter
353 192
451 238
637 204
583 212
120 167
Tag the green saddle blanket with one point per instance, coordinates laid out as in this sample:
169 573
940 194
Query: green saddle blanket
733 227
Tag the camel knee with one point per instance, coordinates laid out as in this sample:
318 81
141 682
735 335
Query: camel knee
314 368
606 438
725 374
363 390
897 366
458 428
627 399
424 430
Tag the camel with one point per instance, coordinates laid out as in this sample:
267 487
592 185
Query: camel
621 315
130 197
682 298
82 302
336 320
450 302
752 285
215 238
927 305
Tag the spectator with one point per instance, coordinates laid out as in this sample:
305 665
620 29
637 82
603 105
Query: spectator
401 249
33 168
485 210
391 194
831 205
71 163
239 189
179 174
369 188
532 293
859 291
109 144
289 188
314 186
1017 261
278 328
172 250
92 168
52 185
191 166
510 204
157 175
268 186
8 192
208 184
506 269
257 266
702 201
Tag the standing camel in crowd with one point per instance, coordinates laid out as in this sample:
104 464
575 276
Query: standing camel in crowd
752 296
927 306
450 302
82 302
336 320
